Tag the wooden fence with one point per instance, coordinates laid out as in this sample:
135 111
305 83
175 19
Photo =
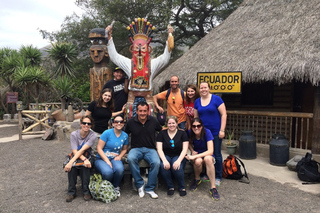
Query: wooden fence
297 127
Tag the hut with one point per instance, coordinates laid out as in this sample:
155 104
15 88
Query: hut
276 46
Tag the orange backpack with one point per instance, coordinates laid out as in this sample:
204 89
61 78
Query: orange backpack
232 169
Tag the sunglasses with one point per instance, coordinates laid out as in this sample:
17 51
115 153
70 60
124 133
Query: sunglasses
118 122
174 100
196 126
86 123
172 143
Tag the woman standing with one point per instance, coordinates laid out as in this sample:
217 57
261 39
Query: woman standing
102 110
172 147
112 146
192 94
201 147
212 111
81 142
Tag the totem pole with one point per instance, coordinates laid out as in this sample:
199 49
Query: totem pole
100 73
141 69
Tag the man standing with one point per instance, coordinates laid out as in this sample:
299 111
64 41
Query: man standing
143 146
119 86
175 100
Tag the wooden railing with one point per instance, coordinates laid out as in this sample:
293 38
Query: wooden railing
297 127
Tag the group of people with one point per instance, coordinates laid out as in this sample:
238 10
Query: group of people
195 122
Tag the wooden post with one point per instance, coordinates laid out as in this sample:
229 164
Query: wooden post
20 124
316 123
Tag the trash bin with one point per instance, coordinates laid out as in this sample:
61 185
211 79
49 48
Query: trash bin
247 145
279 150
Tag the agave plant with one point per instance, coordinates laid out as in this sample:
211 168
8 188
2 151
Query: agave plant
63 54
32 54
63 86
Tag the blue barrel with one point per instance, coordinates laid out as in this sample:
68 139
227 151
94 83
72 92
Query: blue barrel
279 150
247 145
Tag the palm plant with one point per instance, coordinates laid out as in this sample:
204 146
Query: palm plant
63 54
32 54
63 86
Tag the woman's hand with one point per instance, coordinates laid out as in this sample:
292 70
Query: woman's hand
194 153
109 163
68 167
87 163
190 157
176 165
166 165
117 158
221 134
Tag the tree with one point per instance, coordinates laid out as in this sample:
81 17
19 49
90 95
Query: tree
32 54
64 55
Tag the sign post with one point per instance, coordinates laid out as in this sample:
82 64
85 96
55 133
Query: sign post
221 82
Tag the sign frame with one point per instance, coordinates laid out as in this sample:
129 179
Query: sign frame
12 97
224 78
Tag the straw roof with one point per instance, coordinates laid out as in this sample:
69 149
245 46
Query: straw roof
268 40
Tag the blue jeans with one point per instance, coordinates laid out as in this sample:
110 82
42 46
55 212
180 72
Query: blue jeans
182 125
151 156
114 174
178 174
218 156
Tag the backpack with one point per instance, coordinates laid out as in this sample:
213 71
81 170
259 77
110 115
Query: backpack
308 169
168 93
232 169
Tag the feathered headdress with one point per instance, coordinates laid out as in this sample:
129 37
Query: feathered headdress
140 29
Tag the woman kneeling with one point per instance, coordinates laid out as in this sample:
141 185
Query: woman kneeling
172 146
112 146
201 146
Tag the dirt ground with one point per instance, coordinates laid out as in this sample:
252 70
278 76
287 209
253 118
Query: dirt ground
32 180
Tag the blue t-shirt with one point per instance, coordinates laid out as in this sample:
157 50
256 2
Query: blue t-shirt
113 144
201 145
210 114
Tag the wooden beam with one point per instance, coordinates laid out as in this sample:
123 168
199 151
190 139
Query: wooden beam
316 122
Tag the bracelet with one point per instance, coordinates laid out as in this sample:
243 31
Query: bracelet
85 159
221 130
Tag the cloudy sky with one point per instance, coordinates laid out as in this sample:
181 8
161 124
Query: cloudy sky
20 20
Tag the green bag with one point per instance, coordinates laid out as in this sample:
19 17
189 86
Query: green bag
101 190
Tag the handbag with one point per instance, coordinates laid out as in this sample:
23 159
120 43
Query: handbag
102 190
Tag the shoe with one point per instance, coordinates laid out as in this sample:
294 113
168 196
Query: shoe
170 192
205 178
152 194
141 191
215 194
218 182
70 198
117 190
194 185
87 197
183 193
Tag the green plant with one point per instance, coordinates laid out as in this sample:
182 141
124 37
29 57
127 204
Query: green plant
230 136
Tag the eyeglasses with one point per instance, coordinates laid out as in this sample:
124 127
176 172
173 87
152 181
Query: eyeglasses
196 126
118 122
86 123
172 143
173 100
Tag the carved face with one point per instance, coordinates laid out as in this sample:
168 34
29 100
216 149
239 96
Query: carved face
98 52
140 48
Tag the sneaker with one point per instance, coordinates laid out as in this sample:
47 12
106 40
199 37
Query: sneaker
183 193
205 178
70 198
117 190
215 194
194 185
141 191
152 194
87 197
170 192
218 182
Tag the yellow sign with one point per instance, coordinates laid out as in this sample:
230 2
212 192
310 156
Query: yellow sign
221 82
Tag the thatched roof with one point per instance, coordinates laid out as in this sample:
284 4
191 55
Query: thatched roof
268 40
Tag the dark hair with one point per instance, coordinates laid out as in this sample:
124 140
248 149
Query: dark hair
109 103
89 117
202 133
196 95
142 103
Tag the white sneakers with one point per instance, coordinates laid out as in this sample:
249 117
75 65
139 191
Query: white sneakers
141 191
152 194
117 190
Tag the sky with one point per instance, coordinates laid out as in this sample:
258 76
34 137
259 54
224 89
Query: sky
20 20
